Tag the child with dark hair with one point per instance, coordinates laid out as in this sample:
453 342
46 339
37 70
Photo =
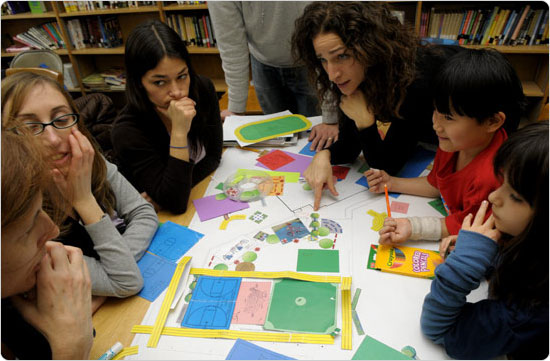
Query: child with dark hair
477 94
169 136
513 244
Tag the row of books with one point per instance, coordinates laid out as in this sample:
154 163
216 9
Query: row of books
185 2
95 32
110 79
44 36
194 30
497 26
17 7
76 6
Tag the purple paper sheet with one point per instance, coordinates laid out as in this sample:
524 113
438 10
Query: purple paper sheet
209 207
300 163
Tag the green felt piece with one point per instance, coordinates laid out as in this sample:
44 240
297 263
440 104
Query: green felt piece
272 239
371 349
250 256
221 267
302 307
326 243
323 231
220 186
221 196
318 260
275 127
438 205
365 167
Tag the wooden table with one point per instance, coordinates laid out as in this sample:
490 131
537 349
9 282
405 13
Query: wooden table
252 104
116 317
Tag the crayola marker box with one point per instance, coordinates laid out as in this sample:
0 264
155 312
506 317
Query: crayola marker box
407 261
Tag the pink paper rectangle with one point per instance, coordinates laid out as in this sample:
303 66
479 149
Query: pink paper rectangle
252 303
399 207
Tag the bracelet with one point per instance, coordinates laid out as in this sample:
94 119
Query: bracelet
175 147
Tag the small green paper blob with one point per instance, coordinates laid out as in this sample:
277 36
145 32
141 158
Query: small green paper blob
249 256
192 285
272 239
314 233
315 224
188 297
323 231
326 243
314 215
221 196
221 267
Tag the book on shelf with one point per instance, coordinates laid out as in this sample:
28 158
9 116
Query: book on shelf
17 48
37 7
194 30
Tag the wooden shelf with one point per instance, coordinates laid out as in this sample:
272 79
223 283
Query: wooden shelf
220 85
139 9
184 7
518 49
11 55
120 51
531 89
202 50
22 16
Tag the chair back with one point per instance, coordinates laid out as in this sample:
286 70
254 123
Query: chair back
42 71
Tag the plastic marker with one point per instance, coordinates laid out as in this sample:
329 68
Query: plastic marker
112 352
387 200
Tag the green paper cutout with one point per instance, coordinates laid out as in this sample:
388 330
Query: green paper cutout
221 267
220 186
438 205
323 231
249 256
221 196
326 243
302 307
271 128
365 167
371 349
272 239
318 260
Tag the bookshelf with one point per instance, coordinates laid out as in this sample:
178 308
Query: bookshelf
530 61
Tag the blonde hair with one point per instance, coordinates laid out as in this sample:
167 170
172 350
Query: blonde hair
15 89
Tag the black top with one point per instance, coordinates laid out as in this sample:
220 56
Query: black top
403 135
141 142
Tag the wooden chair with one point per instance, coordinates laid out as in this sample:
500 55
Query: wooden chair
42 71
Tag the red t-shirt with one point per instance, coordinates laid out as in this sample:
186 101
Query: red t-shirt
464 190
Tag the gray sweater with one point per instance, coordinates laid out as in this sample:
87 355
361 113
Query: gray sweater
116 273
260 28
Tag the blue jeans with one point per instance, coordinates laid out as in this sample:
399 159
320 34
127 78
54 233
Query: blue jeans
280 89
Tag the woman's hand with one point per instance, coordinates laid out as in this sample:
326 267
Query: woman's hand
322 136
62 309
356 108
486 228
319 176
395 231
181 113
75 182
376 179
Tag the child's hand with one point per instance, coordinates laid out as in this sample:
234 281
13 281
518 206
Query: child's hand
376 179
395 231
486 228
447 245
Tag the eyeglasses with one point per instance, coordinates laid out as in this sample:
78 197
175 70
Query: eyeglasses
35 128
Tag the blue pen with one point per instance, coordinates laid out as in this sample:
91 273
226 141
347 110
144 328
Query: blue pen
112 352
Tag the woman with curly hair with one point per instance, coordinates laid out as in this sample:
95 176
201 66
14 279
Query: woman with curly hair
376 69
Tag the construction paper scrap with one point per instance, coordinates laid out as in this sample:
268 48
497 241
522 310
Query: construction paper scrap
307 151
363 182
235 217
437 204
302 307
399 207
290 230
340 172
278 186
252 303
258 217
172 241
276 159
365 167
300 163
357 322
371 349
212 303
420 159
290 177
244 350
318 260
208 207
157 273
220 186
378 221
355 298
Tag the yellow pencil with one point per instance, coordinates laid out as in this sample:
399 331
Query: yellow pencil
387 200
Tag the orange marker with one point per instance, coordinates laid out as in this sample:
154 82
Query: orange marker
387 200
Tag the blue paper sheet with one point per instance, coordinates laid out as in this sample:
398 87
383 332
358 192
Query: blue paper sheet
212 303
244 350
172 241
157 273
305 150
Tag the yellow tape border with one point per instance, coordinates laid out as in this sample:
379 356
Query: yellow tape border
163 313
346 314
126 351
256 274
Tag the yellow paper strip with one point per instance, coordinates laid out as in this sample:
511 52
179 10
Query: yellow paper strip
161 317
245 335
290 177
224 223
126 351
346 314
378 221
283 274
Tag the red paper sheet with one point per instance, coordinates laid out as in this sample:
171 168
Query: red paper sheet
275 159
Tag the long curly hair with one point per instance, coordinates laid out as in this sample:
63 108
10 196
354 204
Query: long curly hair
15 89
385 48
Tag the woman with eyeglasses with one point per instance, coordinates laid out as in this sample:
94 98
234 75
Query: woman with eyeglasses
105 217
169 136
